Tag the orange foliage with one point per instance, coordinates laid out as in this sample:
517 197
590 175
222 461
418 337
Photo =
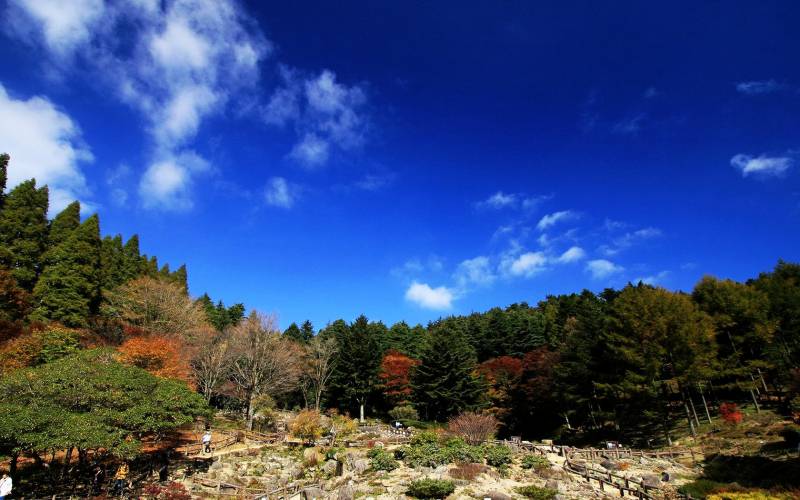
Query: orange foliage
161 356
396 372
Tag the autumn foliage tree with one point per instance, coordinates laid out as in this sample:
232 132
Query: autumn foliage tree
395 374
502 374
161 356
474 428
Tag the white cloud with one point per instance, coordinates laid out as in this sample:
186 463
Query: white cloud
182 60
602 268
630 125
630 239
498 200
757 87
280 193
46 144
311 151
326 114
475 271
421 294
62 29
550 220
527 264
652 279
762 166
573 254
167 183
376 181
651 92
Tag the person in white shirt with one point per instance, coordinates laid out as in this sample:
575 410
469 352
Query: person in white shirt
207 442
5 486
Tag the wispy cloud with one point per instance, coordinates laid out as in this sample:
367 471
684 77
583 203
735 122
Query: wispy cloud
167 182
550 220
602 268
572 254
476 271
498 200
759 87
762 166
630 125
653 279
45 143
280 193
527 264
425 296
629 239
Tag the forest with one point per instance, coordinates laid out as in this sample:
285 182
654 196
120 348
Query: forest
102 347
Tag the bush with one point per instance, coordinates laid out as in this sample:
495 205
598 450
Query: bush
427 450
342 427
307 425
404 413
381 459
535 462
430 488
467 471
730 413
498 456
702 488
535 492
475 428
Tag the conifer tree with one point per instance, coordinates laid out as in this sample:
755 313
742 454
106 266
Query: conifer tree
180 277
68 290
132 260
307 331
355 376
4 158
293 333
112 262
445 382
62 226
23 232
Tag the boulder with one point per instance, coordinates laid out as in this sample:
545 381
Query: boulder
313 493
651 480
496 495
609 465
330 467
361 465
346 492
552 484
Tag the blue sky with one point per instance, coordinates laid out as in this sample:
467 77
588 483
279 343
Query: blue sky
409 160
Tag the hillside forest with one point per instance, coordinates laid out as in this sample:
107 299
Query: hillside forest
102 346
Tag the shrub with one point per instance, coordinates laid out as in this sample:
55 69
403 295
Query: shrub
535 492
307 426
535 462
702 488
427 450
380 459
498 456
430 488
730 413
475 428
342 427
467 471
172 491
404 413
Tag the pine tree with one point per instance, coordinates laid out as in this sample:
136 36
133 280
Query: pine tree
307 331
293 333
68 290
112 262
132 259
355 377
62 226
180 277
445 383
23 232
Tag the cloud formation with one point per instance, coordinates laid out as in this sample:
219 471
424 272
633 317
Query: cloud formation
758 87
476 271
167 182
46 144
762 166
423 295
550 220
279 193
602 268
572 254
629 239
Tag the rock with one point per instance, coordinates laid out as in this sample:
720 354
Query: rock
296 473
609 465
651 480
330 467
496 495
553 485
361 465
215 466
346 492
313 493
559 497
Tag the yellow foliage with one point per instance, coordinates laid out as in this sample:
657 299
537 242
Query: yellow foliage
307 425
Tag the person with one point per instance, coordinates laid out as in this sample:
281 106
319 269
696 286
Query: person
207 442
120 478
98 479
5 486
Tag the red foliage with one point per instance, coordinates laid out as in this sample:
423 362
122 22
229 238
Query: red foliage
730 413
161 356
475 428
395 374
502 371
172 491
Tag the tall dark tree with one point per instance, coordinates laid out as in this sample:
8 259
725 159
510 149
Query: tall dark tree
132 259
23 232
68 290
112 262
180 277
4 159
293 333
307 330
355 376
62 226
445 383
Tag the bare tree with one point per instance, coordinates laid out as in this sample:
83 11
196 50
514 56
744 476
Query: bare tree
211 364
157 306
262 362
319 363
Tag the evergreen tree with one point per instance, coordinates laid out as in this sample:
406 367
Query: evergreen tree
23 232
355 376
307 331
131 259
112 262
180 277
68 290
293 332
445 382
62 226
236 313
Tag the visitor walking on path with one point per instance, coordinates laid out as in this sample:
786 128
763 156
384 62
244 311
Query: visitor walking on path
5 486
120 479
207 442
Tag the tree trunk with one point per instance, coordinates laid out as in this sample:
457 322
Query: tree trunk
694 411
566 418
763 382
67 460
361 412
755 401
317 399
12 467
249 416
689 418
705 405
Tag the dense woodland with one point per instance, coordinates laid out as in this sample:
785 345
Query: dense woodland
101 348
